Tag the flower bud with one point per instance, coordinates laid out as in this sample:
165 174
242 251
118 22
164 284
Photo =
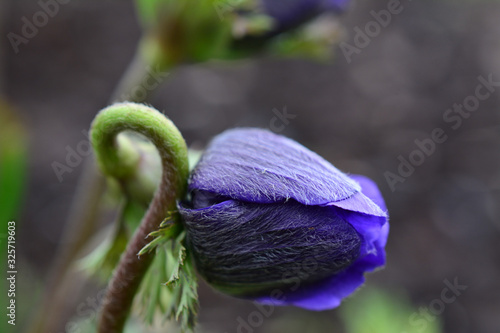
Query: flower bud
266 214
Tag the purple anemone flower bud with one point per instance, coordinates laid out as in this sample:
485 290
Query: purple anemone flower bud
293 12
272 221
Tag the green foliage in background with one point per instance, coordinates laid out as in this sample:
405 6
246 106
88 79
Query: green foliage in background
180 31
377 311
13 162
13 167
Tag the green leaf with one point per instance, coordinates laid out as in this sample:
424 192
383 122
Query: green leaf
169 289
168 230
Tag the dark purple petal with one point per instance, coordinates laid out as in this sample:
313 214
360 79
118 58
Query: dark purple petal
322 295
262 205
287 12
290 12
375 259
373 229
375 238
255 165
329 292
248 249
373 234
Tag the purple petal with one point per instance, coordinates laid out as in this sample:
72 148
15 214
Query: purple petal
373 231
286 12
263 203
289 12
255 165
359 203
375 259
328 293
323 295
246 249
370 189
373 228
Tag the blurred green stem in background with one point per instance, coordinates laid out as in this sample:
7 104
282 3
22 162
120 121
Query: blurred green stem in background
13 167
13 163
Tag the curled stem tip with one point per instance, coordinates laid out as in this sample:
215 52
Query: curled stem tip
117 158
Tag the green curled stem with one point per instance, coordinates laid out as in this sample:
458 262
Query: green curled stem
117 159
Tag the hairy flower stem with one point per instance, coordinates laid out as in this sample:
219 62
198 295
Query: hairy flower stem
119 162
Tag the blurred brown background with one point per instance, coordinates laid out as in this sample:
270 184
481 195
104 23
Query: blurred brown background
445 218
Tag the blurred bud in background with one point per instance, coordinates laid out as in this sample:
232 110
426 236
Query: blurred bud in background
195 31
